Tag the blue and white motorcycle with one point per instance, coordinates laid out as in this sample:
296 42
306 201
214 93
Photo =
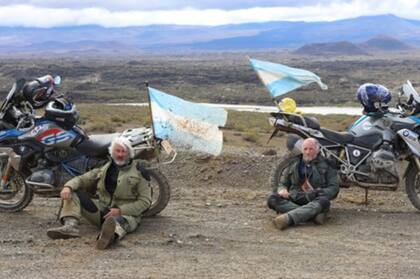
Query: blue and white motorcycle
39 154
367 155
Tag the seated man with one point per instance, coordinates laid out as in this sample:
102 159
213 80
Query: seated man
306 188
124 194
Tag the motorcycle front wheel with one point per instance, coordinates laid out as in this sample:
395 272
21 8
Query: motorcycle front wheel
16 195
161 193
412 185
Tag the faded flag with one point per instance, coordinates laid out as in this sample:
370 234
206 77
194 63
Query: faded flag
280 79
187 125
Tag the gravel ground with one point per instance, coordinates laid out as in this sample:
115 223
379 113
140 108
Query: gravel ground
217 226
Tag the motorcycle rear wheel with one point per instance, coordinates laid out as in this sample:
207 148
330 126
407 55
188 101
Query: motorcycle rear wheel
279 169
161 193
412 185
18 198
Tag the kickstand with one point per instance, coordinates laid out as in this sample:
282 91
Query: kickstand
366 196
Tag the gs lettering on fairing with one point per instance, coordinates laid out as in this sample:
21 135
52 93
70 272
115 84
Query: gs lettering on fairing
49 133
56 136
40 154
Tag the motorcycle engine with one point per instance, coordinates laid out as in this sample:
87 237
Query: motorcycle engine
382 159
381 166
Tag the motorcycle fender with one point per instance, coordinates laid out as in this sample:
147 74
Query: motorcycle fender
415 162
13 157
412 140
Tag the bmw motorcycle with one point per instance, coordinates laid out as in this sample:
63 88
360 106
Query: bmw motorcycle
367 155
39 154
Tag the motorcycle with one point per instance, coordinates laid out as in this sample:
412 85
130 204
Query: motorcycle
39 154
367 155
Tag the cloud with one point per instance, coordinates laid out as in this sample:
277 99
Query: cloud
41 16
128 5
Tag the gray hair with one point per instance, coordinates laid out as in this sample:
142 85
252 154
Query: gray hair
314 141
124 142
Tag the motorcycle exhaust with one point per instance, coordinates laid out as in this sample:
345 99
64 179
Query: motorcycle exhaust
41 181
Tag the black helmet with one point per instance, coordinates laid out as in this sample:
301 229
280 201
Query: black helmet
38 92
63 112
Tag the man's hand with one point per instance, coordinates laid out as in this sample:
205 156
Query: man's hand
65 194
113 212
284 194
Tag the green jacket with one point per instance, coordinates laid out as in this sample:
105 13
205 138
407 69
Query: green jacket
322 176
132 194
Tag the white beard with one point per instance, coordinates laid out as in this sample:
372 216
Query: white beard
308 159
120 162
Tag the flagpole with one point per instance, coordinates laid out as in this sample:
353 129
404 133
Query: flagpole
150 107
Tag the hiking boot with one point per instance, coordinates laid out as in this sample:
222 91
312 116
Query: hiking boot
320 218
120 231
281 221
107 235
70 229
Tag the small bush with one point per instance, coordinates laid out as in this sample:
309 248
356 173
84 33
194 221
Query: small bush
117 119
250 136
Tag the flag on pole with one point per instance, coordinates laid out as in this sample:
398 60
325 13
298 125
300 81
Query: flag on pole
280 79
187 125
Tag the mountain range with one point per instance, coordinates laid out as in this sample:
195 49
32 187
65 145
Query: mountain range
233 37
374 45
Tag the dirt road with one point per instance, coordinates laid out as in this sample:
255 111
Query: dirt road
217 226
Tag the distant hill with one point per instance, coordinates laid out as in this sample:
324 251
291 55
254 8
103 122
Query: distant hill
232 37
296 34
385 43
339 48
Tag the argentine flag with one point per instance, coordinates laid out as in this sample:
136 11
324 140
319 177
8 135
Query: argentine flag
187 125
280 79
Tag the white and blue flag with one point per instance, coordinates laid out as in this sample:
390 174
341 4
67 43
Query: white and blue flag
280 79
185 124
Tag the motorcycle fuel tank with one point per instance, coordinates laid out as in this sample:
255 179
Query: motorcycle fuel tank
50 134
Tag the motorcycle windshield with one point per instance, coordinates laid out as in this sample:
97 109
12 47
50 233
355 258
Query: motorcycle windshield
17 86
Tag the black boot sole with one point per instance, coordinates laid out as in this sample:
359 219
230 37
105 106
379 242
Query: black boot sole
60 235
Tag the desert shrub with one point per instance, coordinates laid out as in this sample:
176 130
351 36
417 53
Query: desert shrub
250 136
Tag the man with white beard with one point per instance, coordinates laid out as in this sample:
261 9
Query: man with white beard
124 194
306 188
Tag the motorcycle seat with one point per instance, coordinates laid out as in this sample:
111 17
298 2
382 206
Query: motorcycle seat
311 122
339 137
96 145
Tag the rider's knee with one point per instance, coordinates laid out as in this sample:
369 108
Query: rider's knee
324 202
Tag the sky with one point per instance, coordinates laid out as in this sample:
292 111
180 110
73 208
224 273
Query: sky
123 13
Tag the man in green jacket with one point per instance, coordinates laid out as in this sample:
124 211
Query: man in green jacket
306 188
124 194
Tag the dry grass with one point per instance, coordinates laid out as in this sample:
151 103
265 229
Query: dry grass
100 118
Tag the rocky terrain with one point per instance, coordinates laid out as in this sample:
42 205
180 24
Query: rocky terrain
217 226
